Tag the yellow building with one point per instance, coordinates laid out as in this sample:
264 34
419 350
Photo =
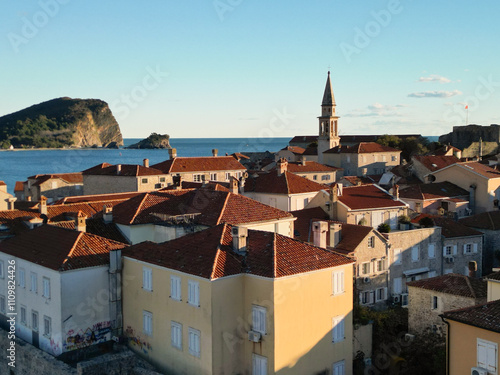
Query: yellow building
229 300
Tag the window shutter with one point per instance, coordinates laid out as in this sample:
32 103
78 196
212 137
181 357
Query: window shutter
444 250
475 247
341 330
482 357
144 278
360 297
465 248
454 249
385 293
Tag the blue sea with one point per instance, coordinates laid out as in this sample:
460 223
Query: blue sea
17 165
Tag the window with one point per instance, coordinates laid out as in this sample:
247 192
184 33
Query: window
147 323
448 250
469 248
397 256
259 319
366 297
175 288
46 287
383 158
2 304
487 354
259 365
338 282
144 180
365 268
338 329
228 176
381 294
47 326
414 254
371 241
397 285
34 320
162 179
380 265
176 335
147 279
325 177
339 368
213 176
431 251
194 342
21 278
198 177
193 293
306 201
394 158
23 315
34 282
434 302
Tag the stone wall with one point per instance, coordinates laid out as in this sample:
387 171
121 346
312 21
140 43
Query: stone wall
30 360
463 136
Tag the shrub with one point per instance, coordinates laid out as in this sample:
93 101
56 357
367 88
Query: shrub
384 228
426 222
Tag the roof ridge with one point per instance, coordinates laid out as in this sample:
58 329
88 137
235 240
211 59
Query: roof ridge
216 260
72 249
228 194
275 263
138 208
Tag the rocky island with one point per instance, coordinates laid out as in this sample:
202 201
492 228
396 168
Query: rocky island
153 141
61 122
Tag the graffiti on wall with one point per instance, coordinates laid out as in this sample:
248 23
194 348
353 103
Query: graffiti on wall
135 340
98 333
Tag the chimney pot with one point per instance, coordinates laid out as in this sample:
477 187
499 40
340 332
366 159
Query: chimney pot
215 152
80 222
303 160
118 168
282 166
107 213
145 163
335 234
240 237
172 153
43 205
395 192
320 228
234 185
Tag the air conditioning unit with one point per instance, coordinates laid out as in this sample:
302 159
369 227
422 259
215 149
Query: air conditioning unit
366 280
450 259
404 300
396 298
409 337
441 211
478 371
254 336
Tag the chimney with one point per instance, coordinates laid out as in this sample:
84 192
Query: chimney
472 269
80 224
28 198
177 181
240 237
281 166
320 228
303 160
118 168
43 205
395 192
10 203
234 185
107 213
335 234
215 152
145 163
172 152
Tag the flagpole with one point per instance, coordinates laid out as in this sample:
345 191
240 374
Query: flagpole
467 115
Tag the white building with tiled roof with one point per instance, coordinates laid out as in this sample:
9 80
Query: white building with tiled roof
62 288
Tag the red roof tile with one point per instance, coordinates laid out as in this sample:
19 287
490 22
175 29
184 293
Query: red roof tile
486 220
437 190
480 169
294 149
302 226
128 170
310 166
368 197
60 249
288 183
200 164
19 186
72 178
2 183
455 284
435 162
485 316
450 228
209 254
361 148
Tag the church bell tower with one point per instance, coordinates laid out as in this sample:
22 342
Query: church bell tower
328 122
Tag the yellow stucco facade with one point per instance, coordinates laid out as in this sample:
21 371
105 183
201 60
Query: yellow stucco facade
300 312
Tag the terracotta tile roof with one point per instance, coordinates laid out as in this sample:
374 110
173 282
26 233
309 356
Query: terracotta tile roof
310 166
361 148
436 190
359 180
209 207
288 183
60 249
450 228
200 164
19 186
493 276
367 197
351 236
209 254
481 169
435 162
128 170
485 316
2 183
302 226
445 149
294 149
455 284
486 220
72 178
238 156
97 227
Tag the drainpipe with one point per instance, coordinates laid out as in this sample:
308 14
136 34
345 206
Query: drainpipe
447 344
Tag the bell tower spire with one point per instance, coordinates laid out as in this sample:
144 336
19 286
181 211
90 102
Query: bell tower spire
328 122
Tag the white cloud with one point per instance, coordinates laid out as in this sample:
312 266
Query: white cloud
376 109
434 78
434 94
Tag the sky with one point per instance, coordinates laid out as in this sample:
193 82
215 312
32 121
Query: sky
241 68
